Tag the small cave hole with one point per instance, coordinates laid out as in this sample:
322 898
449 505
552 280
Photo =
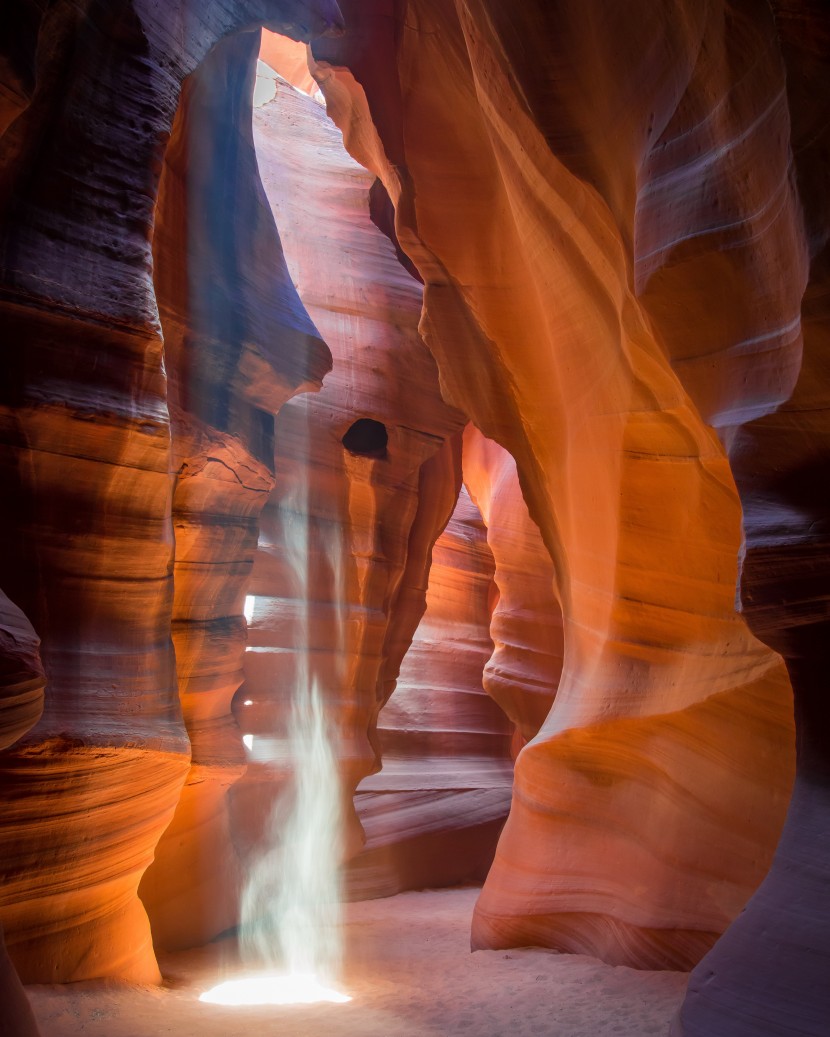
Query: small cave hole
366 438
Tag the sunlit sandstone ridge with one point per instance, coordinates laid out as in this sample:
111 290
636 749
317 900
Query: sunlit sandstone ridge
521 153
368 467
87 461
434 812
523 672
619 213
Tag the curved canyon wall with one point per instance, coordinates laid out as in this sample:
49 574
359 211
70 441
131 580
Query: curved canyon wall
619 215
87 460
238 343
366 470
524 156
523 672
21 703
768 973
433 813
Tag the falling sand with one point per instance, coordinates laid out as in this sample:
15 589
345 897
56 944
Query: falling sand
409 972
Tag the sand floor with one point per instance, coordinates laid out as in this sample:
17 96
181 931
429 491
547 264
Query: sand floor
410 974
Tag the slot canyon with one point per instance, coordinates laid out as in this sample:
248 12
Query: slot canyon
415 506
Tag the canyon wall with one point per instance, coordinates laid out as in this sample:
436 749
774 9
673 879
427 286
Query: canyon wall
87 461
768 973
367 470
432 815
523 672
238 343
619 216
21 703
541 175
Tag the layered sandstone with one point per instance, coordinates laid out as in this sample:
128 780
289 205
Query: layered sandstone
238 343
767 975
432 815
517 164
619 213
91 474
366 470
21 704
21 674
523 672
86 457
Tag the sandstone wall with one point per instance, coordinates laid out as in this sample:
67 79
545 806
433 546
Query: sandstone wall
619 214
366 470
21 703
433 813
87 461
523 672
521 152
766 976
238 343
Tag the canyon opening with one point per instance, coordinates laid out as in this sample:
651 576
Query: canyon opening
414 441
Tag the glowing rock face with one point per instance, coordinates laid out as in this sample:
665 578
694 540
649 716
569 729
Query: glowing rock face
523 672
383 504
667 756
299 989
89 461
433 814
223 477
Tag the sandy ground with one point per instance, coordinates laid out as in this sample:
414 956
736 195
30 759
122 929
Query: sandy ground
410 974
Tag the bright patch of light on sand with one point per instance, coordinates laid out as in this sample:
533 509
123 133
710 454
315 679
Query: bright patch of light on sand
248 741
272 989
248 610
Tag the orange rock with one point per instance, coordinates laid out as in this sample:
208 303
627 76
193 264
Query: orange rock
21 674
361 480
238 343
524 670
620 216
92 477
434 811
289 59
85 444
21 704
515 185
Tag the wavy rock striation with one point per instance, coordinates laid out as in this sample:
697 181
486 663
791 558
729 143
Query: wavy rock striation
21 704
366 470
238 343
619 214
767 975
432 815
520 151
85 442
523 672
21 674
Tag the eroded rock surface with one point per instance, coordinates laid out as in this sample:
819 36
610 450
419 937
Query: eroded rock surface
238 343
523 672
520 152
86 457
619 213
432 815
21 704
366 470
767 975
21 674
